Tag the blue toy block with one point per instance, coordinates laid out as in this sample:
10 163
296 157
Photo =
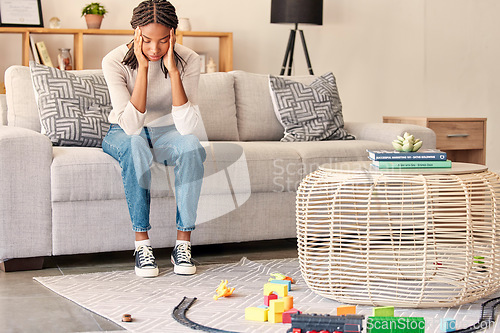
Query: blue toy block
263 307
448 325
287 282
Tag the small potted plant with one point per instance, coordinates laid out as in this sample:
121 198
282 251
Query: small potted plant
94 13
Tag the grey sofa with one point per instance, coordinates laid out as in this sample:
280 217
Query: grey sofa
69 200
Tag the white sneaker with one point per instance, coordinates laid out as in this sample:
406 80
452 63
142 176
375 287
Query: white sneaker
181 259
145 265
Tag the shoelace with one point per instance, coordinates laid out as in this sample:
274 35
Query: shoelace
146 257
183 253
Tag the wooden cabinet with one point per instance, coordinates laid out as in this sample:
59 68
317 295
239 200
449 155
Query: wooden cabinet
463 139
225 42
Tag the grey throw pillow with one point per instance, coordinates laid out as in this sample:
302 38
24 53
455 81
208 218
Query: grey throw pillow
73 109
309 112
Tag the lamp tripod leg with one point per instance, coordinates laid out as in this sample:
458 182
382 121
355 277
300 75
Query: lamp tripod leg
287 52
290 61
308 60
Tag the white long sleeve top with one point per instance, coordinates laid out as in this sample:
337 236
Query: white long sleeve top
159 110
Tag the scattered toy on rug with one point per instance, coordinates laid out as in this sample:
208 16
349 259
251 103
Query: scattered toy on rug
127 318
302 323
279 276
222 290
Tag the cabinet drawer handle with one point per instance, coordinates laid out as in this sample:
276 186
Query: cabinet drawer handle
458 135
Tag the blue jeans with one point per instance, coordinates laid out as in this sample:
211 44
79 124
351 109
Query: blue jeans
165 145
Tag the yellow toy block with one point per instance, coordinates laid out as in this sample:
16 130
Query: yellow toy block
275 317
256 314
280 289
288 300
276 306
346 310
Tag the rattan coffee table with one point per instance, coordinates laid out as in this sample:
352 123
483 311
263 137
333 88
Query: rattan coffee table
411 238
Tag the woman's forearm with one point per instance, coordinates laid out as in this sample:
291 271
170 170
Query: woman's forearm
178 94
139 94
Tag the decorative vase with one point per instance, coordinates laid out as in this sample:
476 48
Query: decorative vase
55 23
184 24
64 59
211 66
93 21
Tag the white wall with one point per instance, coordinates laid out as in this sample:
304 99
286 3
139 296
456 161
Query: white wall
415 57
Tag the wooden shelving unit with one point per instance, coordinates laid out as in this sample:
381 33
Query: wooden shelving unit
225 46
225 42
463 139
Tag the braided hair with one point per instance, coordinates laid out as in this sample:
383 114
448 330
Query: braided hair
153 11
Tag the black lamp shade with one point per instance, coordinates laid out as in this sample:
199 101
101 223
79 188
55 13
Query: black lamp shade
297 11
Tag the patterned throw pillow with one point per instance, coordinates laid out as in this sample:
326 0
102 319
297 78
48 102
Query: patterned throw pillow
309 112
73 109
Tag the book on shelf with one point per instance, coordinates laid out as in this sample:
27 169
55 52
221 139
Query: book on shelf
44 54
411 164
34 51
394 155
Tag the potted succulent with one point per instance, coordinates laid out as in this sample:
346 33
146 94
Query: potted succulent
94 13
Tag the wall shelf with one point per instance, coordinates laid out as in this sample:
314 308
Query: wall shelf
225 42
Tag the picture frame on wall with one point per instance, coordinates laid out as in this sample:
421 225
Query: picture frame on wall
21 13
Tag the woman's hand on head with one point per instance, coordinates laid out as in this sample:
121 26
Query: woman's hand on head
169 58
142 61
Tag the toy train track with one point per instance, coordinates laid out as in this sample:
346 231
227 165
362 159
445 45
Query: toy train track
486 319
179 314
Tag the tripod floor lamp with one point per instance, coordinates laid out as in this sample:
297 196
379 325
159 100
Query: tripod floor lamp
296 11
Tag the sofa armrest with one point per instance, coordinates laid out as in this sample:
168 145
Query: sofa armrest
3 109
25 205
387 132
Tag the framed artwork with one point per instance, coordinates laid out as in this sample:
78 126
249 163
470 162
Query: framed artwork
21 13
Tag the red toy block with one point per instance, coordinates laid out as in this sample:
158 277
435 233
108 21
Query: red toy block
287 315
297 330
269 298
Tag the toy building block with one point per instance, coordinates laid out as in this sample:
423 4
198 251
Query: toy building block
287 282
263 306
280 289
256 314
288 300
287 319
269 298
276 306
385 311
275 317
279 276
448 325
346 310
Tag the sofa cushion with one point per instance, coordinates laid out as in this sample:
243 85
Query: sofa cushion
254 108
22 109
314 154
217 106
87 174
73 109
272 166
308 112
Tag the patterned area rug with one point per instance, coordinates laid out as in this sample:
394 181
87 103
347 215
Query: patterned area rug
151 301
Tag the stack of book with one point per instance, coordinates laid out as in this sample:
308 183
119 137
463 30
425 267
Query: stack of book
424 158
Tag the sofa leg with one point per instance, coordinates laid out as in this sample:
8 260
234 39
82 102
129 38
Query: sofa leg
22 264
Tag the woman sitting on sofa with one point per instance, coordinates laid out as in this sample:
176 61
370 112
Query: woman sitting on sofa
153 88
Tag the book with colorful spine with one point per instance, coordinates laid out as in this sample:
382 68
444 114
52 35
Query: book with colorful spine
393 164
421 155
